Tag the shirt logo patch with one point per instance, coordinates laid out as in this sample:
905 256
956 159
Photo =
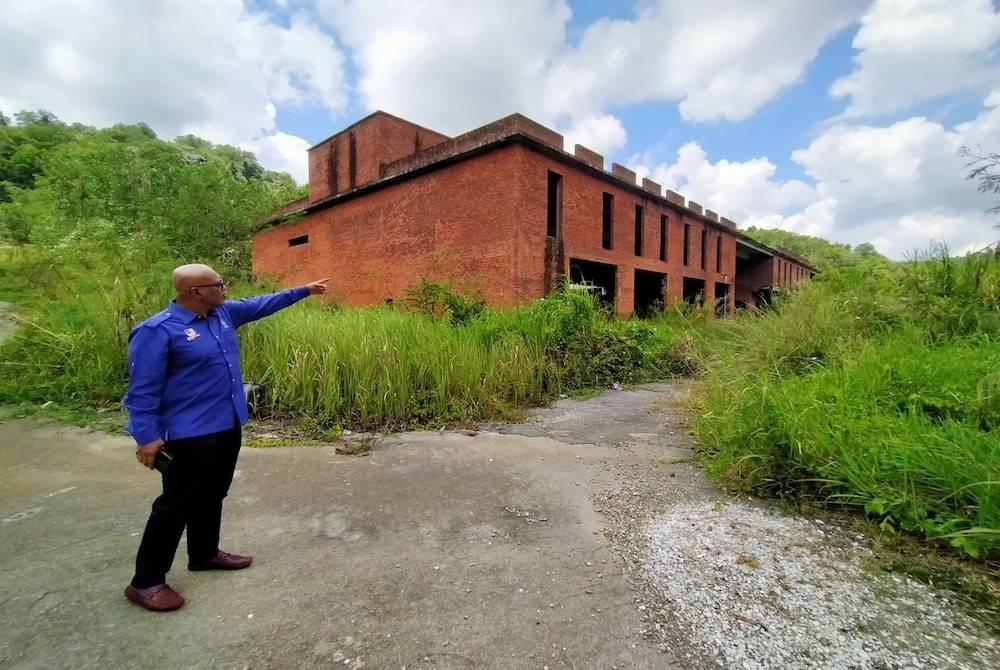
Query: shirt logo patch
224 324
192 334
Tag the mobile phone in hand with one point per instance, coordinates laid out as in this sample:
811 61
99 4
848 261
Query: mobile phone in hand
162 461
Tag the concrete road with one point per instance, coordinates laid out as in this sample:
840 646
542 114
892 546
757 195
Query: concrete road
434 550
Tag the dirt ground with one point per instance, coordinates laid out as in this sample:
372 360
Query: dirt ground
462 549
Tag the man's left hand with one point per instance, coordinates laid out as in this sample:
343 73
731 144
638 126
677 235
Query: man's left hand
318 287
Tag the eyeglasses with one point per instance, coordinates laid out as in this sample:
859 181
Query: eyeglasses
219 285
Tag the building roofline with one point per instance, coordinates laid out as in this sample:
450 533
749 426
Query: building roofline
747 241
528 142
533 143
377 112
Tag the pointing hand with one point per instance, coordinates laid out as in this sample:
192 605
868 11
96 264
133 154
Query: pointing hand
318 286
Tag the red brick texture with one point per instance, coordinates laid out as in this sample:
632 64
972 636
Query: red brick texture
391 203
354 156
459 223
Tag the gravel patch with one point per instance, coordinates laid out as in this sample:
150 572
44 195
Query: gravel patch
739 586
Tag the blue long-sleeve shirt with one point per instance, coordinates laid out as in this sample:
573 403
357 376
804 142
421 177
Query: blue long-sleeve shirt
184 369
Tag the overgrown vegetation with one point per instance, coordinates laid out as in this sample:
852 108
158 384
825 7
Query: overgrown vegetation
822 254
385 367
874 388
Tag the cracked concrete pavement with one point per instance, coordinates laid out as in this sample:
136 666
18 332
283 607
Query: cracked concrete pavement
435 550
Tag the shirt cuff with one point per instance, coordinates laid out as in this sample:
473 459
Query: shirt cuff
146 436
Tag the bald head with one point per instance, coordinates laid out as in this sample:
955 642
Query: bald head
194 274
199 288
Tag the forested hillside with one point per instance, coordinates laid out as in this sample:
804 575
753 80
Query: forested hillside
822 254
61 183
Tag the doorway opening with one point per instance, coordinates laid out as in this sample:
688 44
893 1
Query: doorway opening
721 299
693 291
595 278
648 292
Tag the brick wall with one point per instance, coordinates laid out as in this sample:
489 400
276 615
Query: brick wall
474 209
583 198
460 222
354 156
485 218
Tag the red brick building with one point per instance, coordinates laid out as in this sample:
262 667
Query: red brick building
504 209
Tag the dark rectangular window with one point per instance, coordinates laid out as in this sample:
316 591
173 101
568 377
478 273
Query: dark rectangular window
638 230
718 253
296 241
607 221
704 247
663 237
555 205
687 243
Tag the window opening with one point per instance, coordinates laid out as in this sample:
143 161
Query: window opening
687 243
607 221
663 237
638 230
704 247
552 227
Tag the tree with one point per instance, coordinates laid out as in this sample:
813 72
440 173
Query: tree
984 168
4 120
866 249
25 118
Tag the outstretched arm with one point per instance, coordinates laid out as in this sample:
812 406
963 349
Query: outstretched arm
251 309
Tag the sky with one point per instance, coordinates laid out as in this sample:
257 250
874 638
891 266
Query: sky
837 118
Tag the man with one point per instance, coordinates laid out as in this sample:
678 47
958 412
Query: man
185 397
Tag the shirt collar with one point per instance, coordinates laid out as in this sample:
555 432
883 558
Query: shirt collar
183 314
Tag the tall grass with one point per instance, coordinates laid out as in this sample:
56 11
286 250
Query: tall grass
379 367
871 390
323 366
385 368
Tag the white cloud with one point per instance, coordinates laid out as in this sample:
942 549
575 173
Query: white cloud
901 187
910 52
455 64
745 192
207 67
282 152
451 64
720 59
602 133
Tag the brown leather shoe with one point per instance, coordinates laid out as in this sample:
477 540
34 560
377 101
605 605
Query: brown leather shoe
159 598
223 561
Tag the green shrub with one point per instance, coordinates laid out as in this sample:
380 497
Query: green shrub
875 391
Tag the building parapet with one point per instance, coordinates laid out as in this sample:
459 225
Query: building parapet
515 124
591 158
512 126
674 197
623 173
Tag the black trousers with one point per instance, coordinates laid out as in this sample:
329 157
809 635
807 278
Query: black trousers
194 487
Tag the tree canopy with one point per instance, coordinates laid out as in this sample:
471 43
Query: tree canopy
61 183
822 254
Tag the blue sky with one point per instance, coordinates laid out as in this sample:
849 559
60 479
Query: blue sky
840 118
